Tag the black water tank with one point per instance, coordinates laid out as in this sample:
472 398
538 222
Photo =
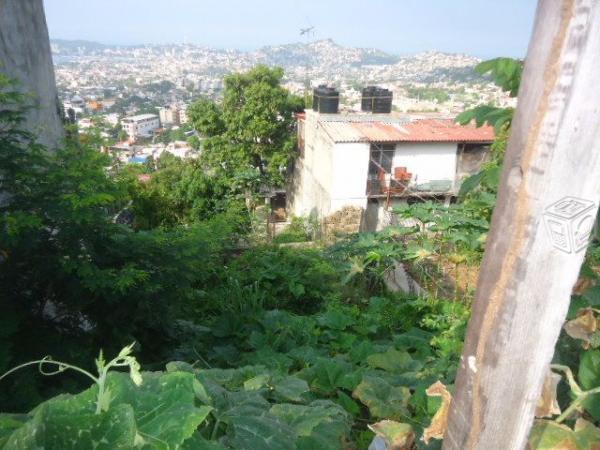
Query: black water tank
368 94
315 99
326 100
376 100
383 102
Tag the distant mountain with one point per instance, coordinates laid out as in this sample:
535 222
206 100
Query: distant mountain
321 52
325 59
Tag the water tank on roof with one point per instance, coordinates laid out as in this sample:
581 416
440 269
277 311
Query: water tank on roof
366 103
326 100
376 100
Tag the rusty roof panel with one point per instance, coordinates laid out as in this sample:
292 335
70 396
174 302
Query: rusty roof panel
444 130
380 132
426 130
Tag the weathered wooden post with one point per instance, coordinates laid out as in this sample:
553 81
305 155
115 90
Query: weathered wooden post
548 200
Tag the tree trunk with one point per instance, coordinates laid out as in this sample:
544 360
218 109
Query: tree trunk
547 204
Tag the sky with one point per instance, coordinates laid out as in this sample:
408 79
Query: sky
483 28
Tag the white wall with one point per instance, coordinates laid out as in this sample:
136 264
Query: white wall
427 161
328 176
349 175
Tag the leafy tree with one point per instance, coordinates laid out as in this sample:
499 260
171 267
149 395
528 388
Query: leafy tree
506 73
253 128
206 116
71 279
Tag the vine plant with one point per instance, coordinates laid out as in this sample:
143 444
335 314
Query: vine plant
123 359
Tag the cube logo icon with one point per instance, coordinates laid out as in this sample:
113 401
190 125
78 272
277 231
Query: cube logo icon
569 222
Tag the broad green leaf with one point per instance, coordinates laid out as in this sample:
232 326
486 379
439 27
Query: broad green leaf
48 429
251 432
383 399
327 375
306 355
164 405
230 378
589 378
198 442
416 340
179 366
394 361
549 435
271 358
592 296
291 388
335 319
257 382
320 425
232 404
505 72
359 352
587 435
347 403
470 183
9 423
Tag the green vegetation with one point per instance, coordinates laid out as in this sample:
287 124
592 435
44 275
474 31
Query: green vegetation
428 94
243 345
251 132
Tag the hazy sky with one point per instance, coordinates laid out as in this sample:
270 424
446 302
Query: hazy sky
483 28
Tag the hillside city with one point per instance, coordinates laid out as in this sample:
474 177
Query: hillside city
111 83
304 246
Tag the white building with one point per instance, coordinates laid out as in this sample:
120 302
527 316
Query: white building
183 117
181 149
173 115
168 115
142 125
372 161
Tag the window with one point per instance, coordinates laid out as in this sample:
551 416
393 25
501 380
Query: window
382 156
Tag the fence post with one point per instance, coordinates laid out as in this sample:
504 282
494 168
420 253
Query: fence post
547 204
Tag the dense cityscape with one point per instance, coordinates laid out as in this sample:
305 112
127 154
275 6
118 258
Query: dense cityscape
114 82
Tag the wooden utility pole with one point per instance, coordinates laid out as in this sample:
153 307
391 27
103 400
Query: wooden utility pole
548 200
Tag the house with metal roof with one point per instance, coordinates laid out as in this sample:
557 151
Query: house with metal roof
374 161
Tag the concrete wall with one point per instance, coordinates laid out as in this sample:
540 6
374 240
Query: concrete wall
25 56
310 190
327 176
427 161
349 175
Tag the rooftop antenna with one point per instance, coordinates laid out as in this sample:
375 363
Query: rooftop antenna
307 32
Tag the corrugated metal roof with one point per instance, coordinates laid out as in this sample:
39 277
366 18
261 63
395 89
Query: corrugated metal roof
381 132
343 132
427 130
444 130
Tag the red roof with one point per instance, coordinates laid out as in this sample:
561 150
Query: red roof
380 132
444 130
425 130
